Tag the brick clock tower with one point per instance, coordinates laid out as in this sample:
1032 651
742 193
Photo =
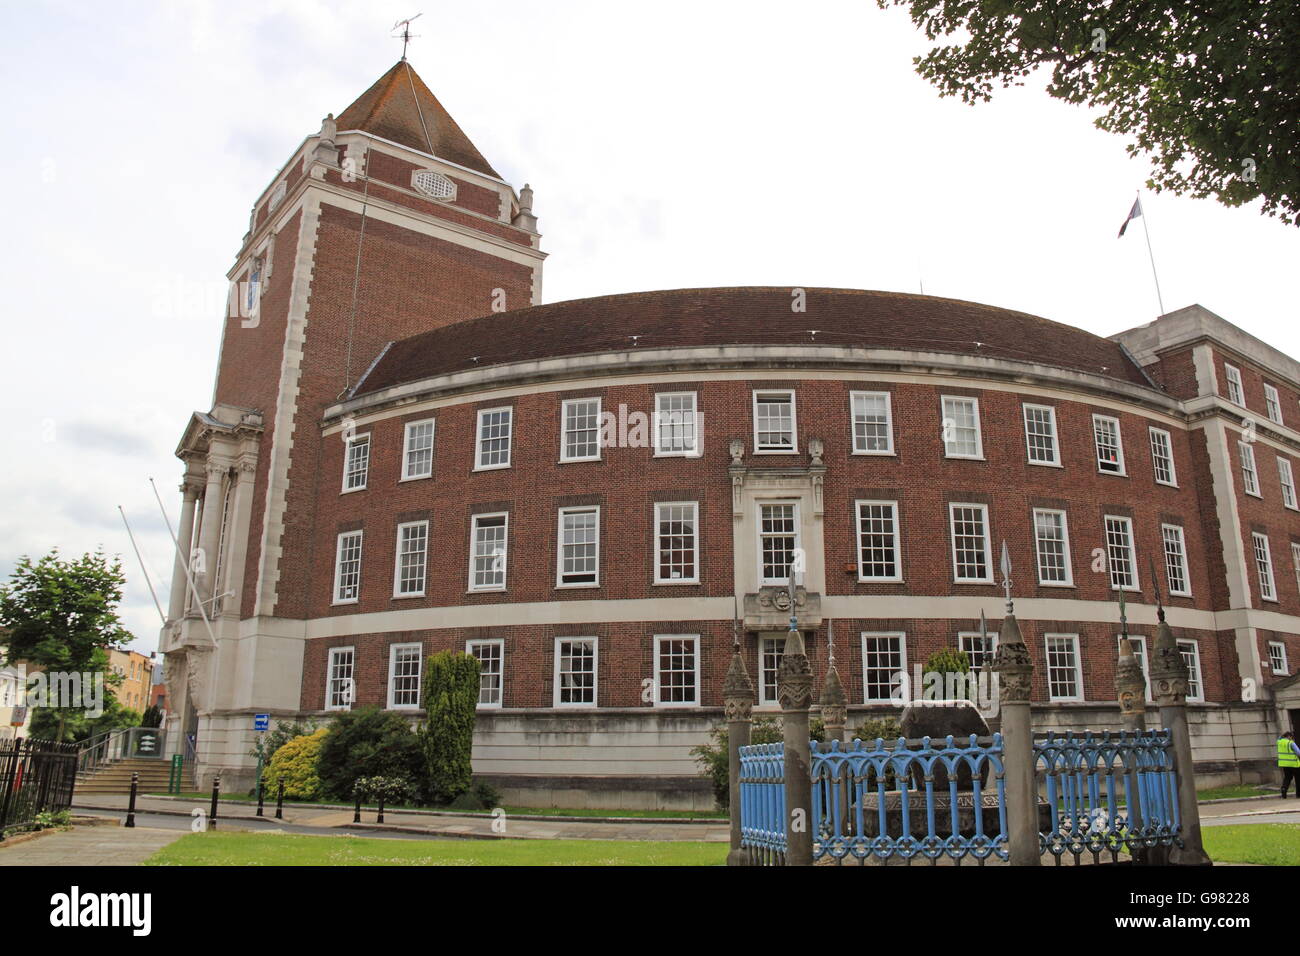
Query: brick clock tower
386 223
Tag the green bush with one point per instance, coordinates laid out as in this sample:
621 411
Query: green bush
714 759
886 728
152 717
369 742
386 790
269 742
297 763
451 698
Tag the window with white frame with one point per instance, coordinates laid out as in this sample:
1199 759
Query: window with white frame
1277 657
884 662
1121 553
412 558
1264 566
1287 478
677 550
1249 476
1052 545
1064 677
487 567
1273 403
778 540
971 558
580 429
575 672
491 669
980 648
340 691
356 462
770 652
1236 394
404 662
1162 457
1040 435
1175 548
494 428
417 450
1191 652
579 551
961 427
774 422
677 424
873 423
1110 446
677 670
1139 644
879 545
347 568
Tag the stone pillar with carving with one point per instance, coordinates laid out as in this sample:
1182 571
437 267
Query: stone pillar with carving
1169 683
1015 672
190 489
794 691
1130 688
203 564
738 704
834 702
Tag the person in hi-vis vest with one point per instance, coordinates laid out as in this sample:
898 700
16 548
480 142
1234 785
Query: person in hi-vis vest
1288 758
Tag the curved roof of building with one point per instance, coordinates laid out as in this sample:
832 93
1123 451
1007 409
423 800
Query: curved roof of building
755 315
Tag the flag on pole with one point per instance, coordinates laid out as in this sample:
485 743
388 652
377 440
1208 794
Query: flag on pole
1132 214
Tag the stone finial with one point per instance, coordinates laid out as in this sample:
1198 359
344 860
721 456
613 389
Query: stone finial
737 451
524 219
737 689
1168 669
328 129
1012 663
835 711
794 677
1130 686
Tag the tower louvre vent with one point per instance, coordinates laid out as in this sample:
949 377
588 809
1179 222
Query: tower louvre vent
433 185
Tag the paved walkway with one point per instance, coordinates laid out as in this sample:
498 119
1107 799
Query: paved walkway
1268 810
447 826
89 846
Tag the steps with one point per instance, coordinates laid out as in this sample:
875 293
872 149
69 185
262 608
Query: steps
115 777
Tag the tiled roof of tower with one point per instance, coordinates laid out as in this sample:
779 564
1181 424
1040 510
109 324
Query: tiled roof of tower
400 108
748 316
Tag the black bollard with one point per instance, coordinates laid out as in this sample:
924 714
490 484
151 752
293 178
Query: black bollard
380 819
279 801
259 799
356 816
130 806
216 792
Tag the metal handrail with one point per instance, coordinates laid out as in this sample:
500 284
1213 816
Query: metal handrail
113 745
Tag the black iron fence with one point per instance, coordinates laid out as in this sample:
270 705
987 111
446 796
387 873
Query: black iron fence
36 776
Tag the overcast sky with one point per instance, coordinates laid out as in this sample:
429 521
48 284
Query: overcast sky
670 145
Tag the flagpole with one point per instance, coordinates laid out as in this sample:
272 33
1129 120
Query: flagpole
1151 255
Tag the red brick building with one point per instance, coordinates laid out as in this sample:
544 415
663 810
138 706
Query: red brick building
408 452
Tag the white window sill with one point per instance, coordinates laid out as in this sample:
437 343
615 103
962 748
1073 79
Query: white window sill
964 457
402 597
1056 584
973 581
776 451
894 580
487 706
1181 594
575 461
677 454
493 590
1131 588
348 491
1113 474
415 478
591 706
876 454
1167 484
337 603
491 467
577 587
1045 464
675 705
1254 494
672 581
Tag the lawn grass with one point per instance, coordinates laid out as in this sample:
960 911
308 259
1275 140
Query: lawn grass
1234 792
510 811
1264 844
279 849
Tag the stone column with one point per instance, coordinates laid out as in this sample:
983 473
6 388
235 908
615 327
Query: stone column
210 530
184 541
794 691
1015 673
835 711
1169 681
1130 689
241 506
738 702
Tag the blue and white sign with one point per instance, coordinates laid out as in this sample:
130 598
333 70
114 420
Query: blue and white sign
261 721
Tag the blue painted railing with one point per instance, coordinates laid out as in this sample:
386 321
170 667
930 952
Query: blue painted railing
762 803
925 799
1111 792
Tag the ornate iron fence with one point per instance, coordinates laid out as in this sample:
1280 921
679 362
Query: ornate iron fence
35 776
762 803
1111 792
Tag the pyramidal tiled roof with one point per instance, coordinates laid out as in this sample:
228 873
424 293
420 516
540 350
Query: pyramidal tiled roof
400 108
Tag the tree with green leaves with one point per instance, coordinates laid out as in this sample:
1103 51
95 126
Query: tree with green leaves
451 699
61 616
1210 91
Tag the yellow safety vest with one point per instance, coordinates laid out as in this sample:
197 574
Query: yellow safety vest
1285 755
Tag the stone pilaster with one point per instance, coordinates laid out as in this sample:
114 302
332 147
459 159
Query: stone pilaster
794 691
1015 672
1130 688
738 703
1169 683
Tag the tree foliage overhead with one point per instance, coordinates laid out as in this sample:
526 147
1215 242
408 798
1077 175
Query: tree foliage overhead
1209 89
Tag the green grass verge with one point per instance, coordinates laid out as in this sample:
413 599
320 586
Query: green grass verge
1234 792
278 849
1264 844
512 811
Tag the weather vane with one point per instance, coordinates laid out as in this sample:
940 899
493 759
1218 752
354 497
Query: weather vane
406 35
1123 614
1006 576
